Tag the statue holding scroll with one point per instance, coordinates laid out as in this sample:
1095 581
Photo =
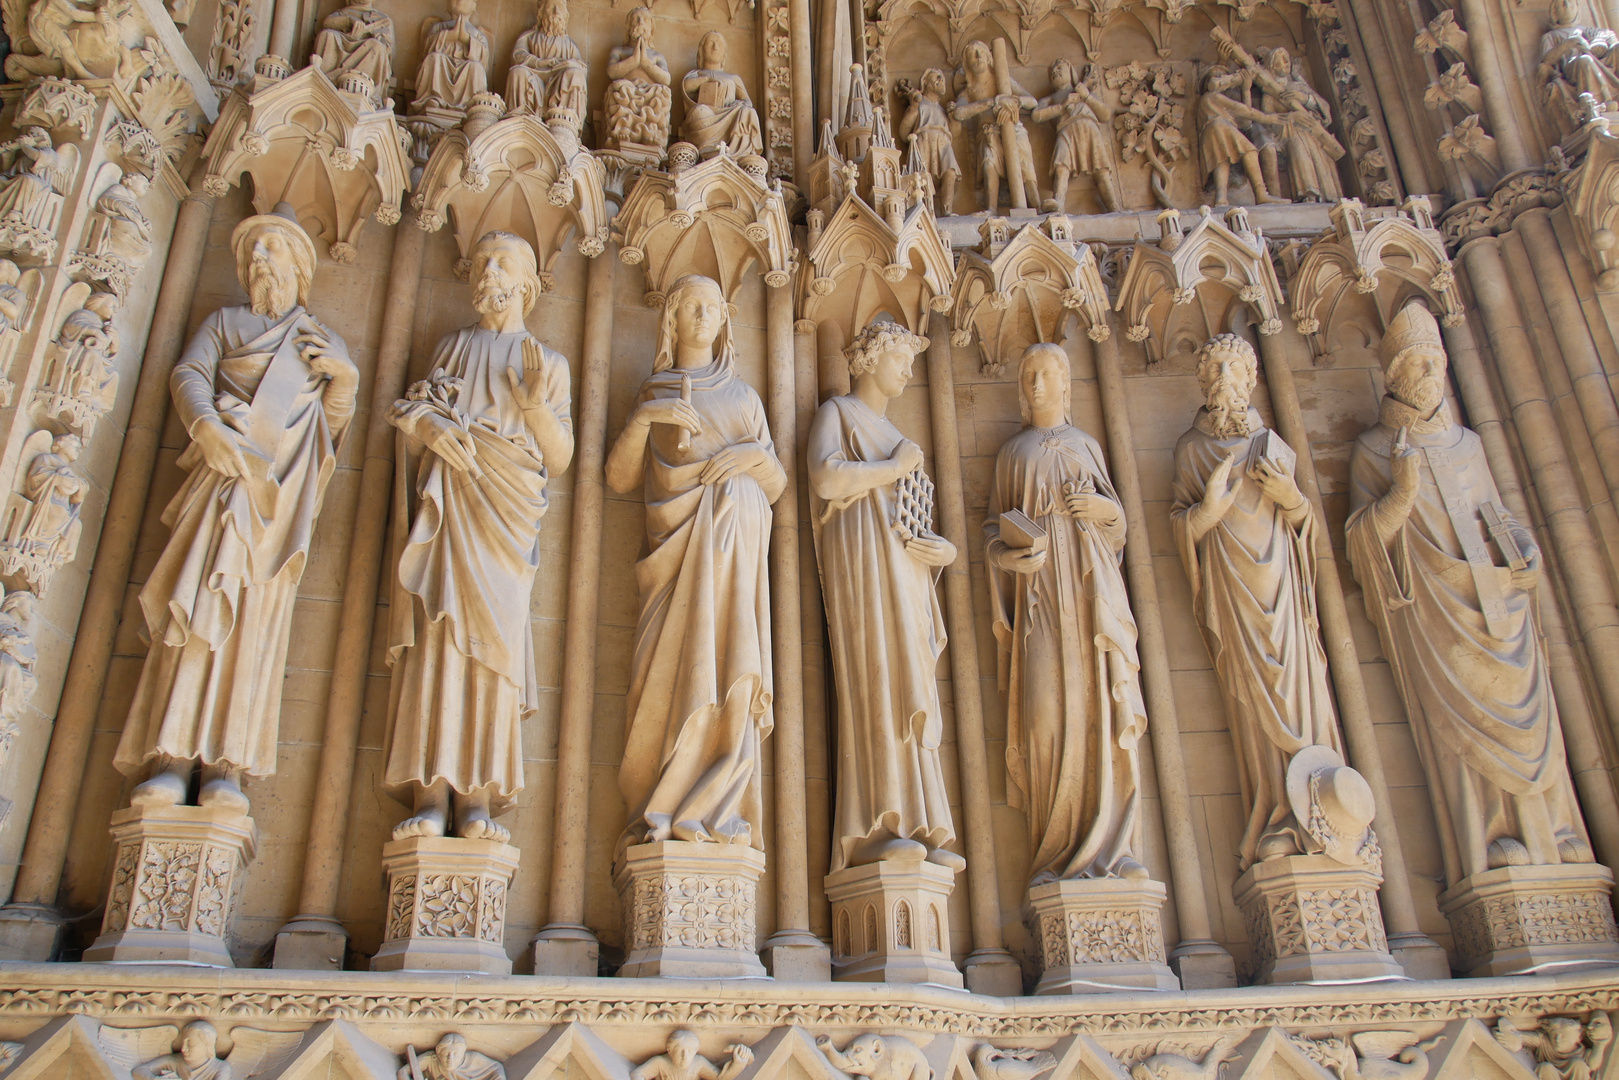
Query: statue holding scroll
1247 538
997 101
719 113
700 685
638 98
1068 664
872 512
547 74
481 439
455 61
266 393
357 38
1451 581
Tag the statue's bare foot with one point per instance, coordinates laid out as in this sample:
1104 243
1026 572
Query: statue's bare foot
223 793
479 826
429 822
167 788
947 859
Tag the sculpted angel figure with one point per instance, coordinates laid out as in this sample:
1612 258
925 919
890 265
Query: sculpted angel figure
480 441
18 656
926 126
38 171
1247 538
879 566
357 38
88 341
13 300
455 60
128 230
700 684
266 392
47 532
980 98
1576 59
1084 134
638 98
1451 580
547 73
1075 714
719 113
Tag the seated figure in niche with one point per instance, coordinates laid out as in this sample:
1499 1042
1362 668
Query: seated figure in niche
1576 60
357 38
638 98
719 113
455 61
1084 134
547 75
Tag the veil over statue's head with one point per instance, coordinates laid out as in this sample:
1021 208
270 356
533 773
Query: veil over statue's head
668 338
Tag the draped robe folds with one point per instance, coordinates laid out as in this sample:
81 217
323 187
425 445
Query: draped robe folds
1253 591
460 645
718 113
1480 703
887 632
342 48
218 604
1067 641
701 684
452 71
547 72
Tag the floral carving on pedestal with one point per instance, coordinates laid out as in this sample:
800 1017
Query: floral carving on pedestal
446 905
1102 936
693 911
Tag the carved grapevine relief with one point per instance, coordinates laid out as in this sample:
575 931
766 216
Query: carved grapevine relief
1151 121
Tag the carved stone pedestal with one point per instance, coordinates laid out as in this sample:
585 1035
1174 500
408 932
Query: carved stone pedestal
176 873
1101 935
1314 919
689 910
891 923
446 905
1522 918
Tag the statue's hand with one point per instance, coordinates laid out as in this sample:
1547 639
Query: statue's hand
669 410
452 443
1279 487
1527 578
931 550
1221 491
529 390
323 358
906 458
1404 465
1019 560
734 460
1089 506
220 448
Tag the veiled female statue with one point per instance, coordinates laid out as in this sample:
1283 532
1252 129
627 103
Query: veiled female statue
879 561
719 112
1067 638
700 686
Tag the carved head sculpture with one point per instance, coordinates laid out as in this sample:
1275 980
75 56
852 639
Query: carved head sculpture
1227 372
136 183
10 272
199 1041
695 316
275 260
712 51
1280 62
884 351
102 303
866 1053
465 9
1414 360
503 270
1565 12
1062 75
18 606
977 57
682 1048
67 446
552 17
451 1051
1044 383
1219 78
638 25
933 83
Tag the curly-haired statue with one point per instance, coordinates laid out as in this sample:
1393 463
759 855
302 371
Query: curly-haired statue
880 559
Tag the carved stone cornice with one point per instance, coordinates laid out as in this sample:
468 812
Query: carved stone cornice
860 266
1516 193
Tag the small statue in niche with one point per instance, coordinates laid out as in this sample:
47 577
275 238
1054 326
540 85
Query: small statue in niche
698 709
37 176
990 94
266 392
13 299
79 385
547 73
681 1061
126 231
719 113
42 527
880 559
482 439
638 98
1084 134
64 38
1310 148
1576 60
1460 629
1562 1048
357 38
17 660
926 127
1220 117
196 1059
451 1059
1075 714
455 61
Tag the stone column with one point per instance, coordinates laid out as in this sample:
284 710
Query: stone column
1491 71
1201 962
567 946
29 925
990 969
284 30
792 953
1421 957
1361 21
803 68
813 636
314 939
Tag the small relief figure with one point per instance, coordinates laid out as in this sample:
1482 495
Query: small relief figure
990 94
1221 117
1310 149
79 384
681 1061
638 98
1451 582
872 509
41 525
1169 1066
455 61
547 74
1247 538
266 392
480 442
37 175
125 230
13 299
1075 715
451 1059
66 38
358 39
880 1057
197 1058
1576 60
719 114
926 127
1561 1047
1084 134
700 684
1014 1063
18 658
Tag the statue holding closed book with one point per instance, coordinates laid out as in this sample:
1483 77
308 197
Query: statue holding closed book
719 113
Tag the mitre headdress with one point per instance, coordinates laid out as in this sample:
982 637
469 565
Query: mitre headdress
1414 325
